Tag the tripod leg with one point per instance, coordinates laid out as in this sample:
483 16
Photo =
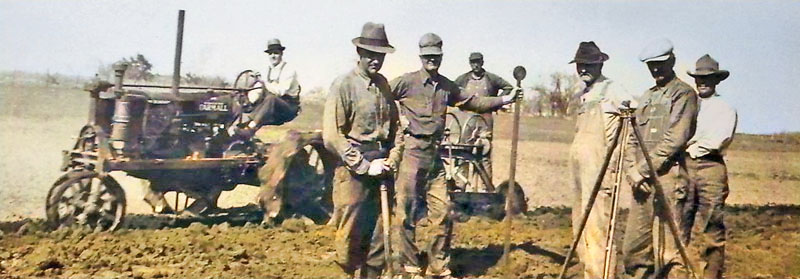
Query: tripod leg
663 202
592 198
608 270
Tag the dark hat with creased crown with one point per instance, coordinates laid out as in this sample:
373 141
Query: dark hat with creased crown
373 38
475 56
430 44
589 53
658 50
274 45
707 66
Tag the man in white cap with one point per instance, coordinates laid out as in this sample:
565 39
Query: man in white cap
423 97
703 209
666 118
360 124
597 123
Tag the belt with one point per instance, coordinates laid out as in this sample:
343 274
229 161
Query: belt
423 137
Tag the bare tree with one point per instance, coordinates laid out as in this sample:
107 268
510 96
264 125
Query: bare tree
557 99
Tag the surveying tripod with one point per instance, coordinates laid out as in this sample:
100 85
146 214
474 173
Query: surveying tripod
627 122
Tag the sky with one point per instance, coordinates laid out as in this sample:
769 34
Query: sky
757 41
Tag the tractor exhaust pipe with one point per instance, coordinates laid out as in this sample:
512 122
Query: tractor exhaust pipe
176 72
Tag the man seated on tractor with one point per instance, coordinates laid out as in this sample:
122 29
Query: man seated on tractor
274 100
277 101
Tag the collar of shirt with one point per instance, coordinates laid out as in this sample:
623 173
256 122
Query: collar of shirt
368 81
427 78
473 77
589 92
275 70
668 84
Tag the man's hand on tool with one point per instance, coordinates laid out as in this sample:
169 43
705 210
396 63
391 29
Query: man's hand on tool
377 167
637 182
515 95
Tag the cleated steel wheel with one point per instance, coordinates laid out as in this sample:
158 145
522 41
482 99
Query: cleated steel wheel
85 198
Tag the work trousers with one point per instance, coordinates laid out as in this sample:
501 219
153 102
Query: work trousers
702 215
649 249
421 188
359 230
274 110
586 155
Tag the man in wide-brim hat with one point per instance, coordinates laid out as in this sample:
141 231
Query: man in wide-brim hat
360 123
702 212
597 122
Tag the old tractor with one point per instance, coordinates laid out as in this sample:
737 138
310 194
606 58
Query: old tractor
178 139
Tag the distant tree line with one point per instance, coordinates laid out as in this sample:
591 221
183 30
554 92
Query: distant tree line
140 69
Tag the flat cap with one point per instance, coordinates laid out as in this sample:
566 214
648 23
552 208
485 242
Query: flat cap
430 44
475 56
658 50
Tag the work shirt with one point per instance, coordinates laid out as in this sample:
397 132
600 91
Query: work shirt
360 116
423 101
488 84
666 119
281 80
716 124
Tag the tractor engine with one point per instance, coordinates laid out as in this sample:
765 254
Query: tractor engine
160 125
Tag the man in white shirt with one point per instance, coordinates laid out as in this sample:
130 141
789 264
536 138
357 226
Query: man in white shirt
278 101
702 208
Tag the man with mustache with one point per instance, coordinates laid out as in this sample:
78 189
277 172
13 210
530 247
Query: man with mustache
359 125
703 209
423 97
666 119
480 82
597 123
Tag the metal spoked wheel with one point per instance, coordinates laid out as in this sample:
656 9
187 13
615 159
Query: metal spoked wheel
85 198
475 128
452 128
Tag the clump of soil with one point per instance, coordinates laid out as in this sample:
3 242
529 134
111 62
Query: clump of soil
762 242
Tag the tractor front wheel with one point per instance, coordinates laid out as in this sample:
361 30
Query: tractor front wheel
86 198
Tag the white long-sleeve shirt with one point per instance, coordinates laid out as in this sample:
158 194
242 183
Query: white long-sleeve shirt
716 124
281 80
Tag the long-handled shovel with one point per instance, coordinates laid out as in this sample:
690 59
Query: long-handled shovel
511 193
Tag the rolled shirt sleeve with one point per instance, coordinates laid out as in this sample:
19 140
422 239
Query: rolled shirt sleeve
473 103
716 125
